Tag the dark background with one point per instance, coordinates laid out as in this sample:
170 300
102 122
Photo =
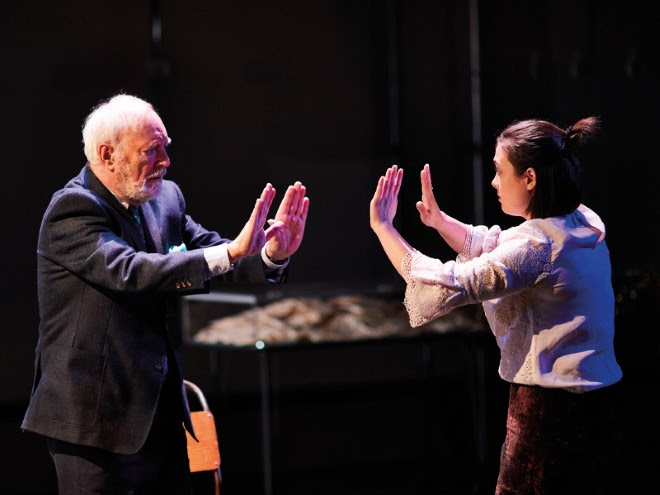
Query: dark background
331 93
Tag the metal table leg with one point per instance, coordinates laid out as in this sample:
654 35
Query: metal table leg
264 383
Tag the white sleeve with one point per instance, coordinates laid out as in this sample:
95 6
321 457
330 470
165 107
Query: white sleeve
434 288
269 264
217 259
479 240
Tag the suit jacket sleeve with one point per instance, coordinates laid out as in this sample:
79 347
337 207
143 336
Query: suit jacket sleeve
80 234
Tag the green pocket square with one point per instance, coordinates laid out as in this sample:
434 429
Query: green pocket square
181 248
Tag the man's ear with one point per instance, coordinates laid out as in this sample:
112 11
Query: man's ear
106 152
530 178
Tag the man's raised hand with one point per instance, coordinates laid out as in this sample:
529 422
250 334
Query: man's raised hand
253 236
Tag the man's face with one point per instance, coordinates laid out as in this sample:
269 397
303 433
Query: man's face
143 162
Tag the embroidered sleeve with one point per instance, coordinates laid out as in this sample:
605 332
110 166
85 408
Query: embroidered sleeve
479 240
435 288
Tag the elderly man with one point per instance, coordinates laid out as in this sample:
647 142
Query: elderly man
115 247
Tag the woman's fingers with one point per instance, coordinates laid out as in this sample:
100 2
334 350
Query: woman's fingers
428 198
378 195
398 181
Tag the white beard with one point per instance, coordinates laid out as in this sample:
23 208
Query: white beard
137 192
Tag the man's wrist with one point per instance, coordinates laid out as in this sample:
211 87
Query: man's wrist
217 259
272 259
230 255
276 261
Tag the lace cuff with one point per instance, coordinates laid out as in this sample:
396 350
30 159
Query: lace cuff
467 245
426 296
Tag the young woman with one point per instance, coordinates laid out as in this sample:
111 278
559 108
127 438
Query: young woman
546 290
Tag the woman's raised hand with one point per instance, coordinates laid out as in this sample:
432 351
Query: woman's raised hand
382 208
429 212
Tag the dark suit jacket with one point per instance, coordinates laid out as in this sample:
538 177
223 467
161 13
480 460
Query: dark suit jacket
105 304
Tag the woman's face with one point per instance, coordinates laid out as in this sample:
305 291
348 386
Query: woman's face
513 191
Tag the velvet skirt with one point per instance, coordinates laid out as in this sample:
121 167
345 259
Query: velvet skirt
559 442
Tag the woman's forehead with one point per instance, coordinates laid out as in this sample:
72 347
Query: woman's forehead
501 155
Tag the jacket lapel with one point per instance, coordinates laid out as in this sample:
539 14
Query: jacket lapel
129 225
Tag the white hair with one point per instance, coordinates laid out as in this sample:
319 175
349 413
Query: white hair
111 118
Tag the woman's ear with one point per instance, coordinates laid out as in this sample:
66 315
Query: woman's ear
530 178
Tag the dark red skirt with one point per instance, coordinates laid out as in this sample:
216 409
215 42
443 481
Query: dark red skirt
558 442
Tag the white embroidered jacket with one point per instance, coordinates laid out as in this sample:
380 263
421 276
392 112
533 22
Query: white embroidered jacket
546 290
